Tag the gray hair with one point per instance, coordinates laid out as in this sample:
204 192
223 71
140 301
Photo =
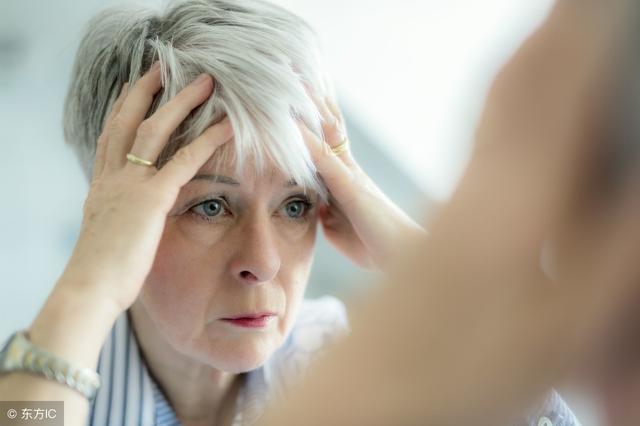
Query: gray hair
260 55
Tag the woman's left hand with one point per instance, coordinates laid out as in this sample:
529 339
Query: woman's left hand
359 220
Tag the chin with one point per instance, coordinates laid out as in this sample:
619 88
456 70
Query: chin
242 356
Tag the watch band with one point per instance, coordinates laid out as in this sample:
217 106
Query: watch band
20 355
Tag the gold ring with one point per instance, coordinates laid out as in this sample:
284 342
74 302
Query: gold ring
337 150
137 160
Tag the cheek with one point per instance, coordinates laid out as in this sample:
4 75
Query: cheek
297 245
299 233
179 286
297 262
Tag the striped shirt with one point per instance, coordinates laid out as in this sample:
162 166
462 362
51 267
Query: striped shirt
553 412
130 396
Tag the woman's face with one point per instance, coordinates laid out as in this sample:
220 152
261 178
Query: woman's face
233 247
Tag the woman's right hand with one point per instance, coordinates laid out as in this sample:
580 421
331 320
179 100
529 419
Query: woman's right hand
127 204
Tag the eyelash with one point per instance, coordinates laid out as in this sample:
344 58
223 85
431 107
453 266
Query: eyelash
307 205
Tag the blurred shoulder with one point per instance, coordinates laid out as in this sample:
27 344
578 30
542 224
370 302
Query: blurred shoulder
324 315
320 323
553 411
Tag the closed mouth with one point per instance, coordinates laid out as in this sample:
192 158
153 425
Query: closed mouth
250 316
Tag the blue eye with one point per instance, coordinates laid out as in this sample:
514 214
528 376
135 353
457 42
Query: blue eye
209 208
296 209
216 209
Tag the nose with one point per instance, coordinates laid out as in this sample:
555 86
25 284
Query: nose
257 257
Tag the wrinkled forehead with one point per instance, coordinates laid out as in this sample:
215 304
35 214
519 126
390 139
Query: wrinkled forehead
247 175
225 162
223 167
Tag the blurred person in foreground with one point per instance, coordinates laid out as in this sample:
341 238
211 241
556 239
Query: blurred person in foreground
476 326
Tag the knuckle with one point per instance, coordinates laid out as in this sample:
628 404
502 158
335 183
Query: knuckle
118 124
184 156
165 195
324 153
147 129
186 94
332 124
188 97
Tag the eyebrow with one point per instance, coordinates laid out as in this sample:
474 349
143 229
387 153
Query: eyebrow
230 181
217 178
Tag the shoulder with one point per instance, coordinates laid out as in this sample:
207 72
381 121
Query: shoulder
320 323
554 411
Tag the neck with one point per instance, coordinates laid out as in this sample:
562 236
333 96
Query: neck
198 393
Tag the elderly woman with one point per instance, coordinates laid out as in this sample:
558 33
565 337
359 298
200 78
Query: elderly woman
213 148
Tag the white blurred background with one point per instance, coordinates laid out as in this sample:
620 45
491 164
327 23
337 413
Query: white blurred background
411 77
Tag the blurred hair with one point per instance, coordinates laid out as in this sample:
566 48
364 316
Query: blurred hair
260 55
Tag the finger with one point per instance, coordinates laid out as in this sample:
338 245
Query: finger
335 110
101 145
333 216
332 127
181 168
336 175
117 105
125 124
344 155
154 132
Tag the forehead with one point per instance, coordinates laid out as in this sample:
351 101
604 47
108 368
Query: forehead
248 170
227 170
249 176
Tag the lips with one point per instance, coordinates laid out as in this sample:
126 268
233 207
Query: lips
250 316
257 320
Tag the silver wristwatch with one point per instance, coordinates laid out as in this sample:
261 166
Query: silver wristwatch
20 355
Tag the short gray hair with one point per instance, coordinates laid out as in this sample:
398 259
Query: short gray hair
260 55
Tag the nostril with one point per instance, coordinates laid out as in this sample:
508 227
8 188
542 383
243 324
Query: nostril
248 275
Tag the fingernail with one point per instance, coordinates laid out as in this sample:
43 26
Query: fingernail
155 66
201 79
125 89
